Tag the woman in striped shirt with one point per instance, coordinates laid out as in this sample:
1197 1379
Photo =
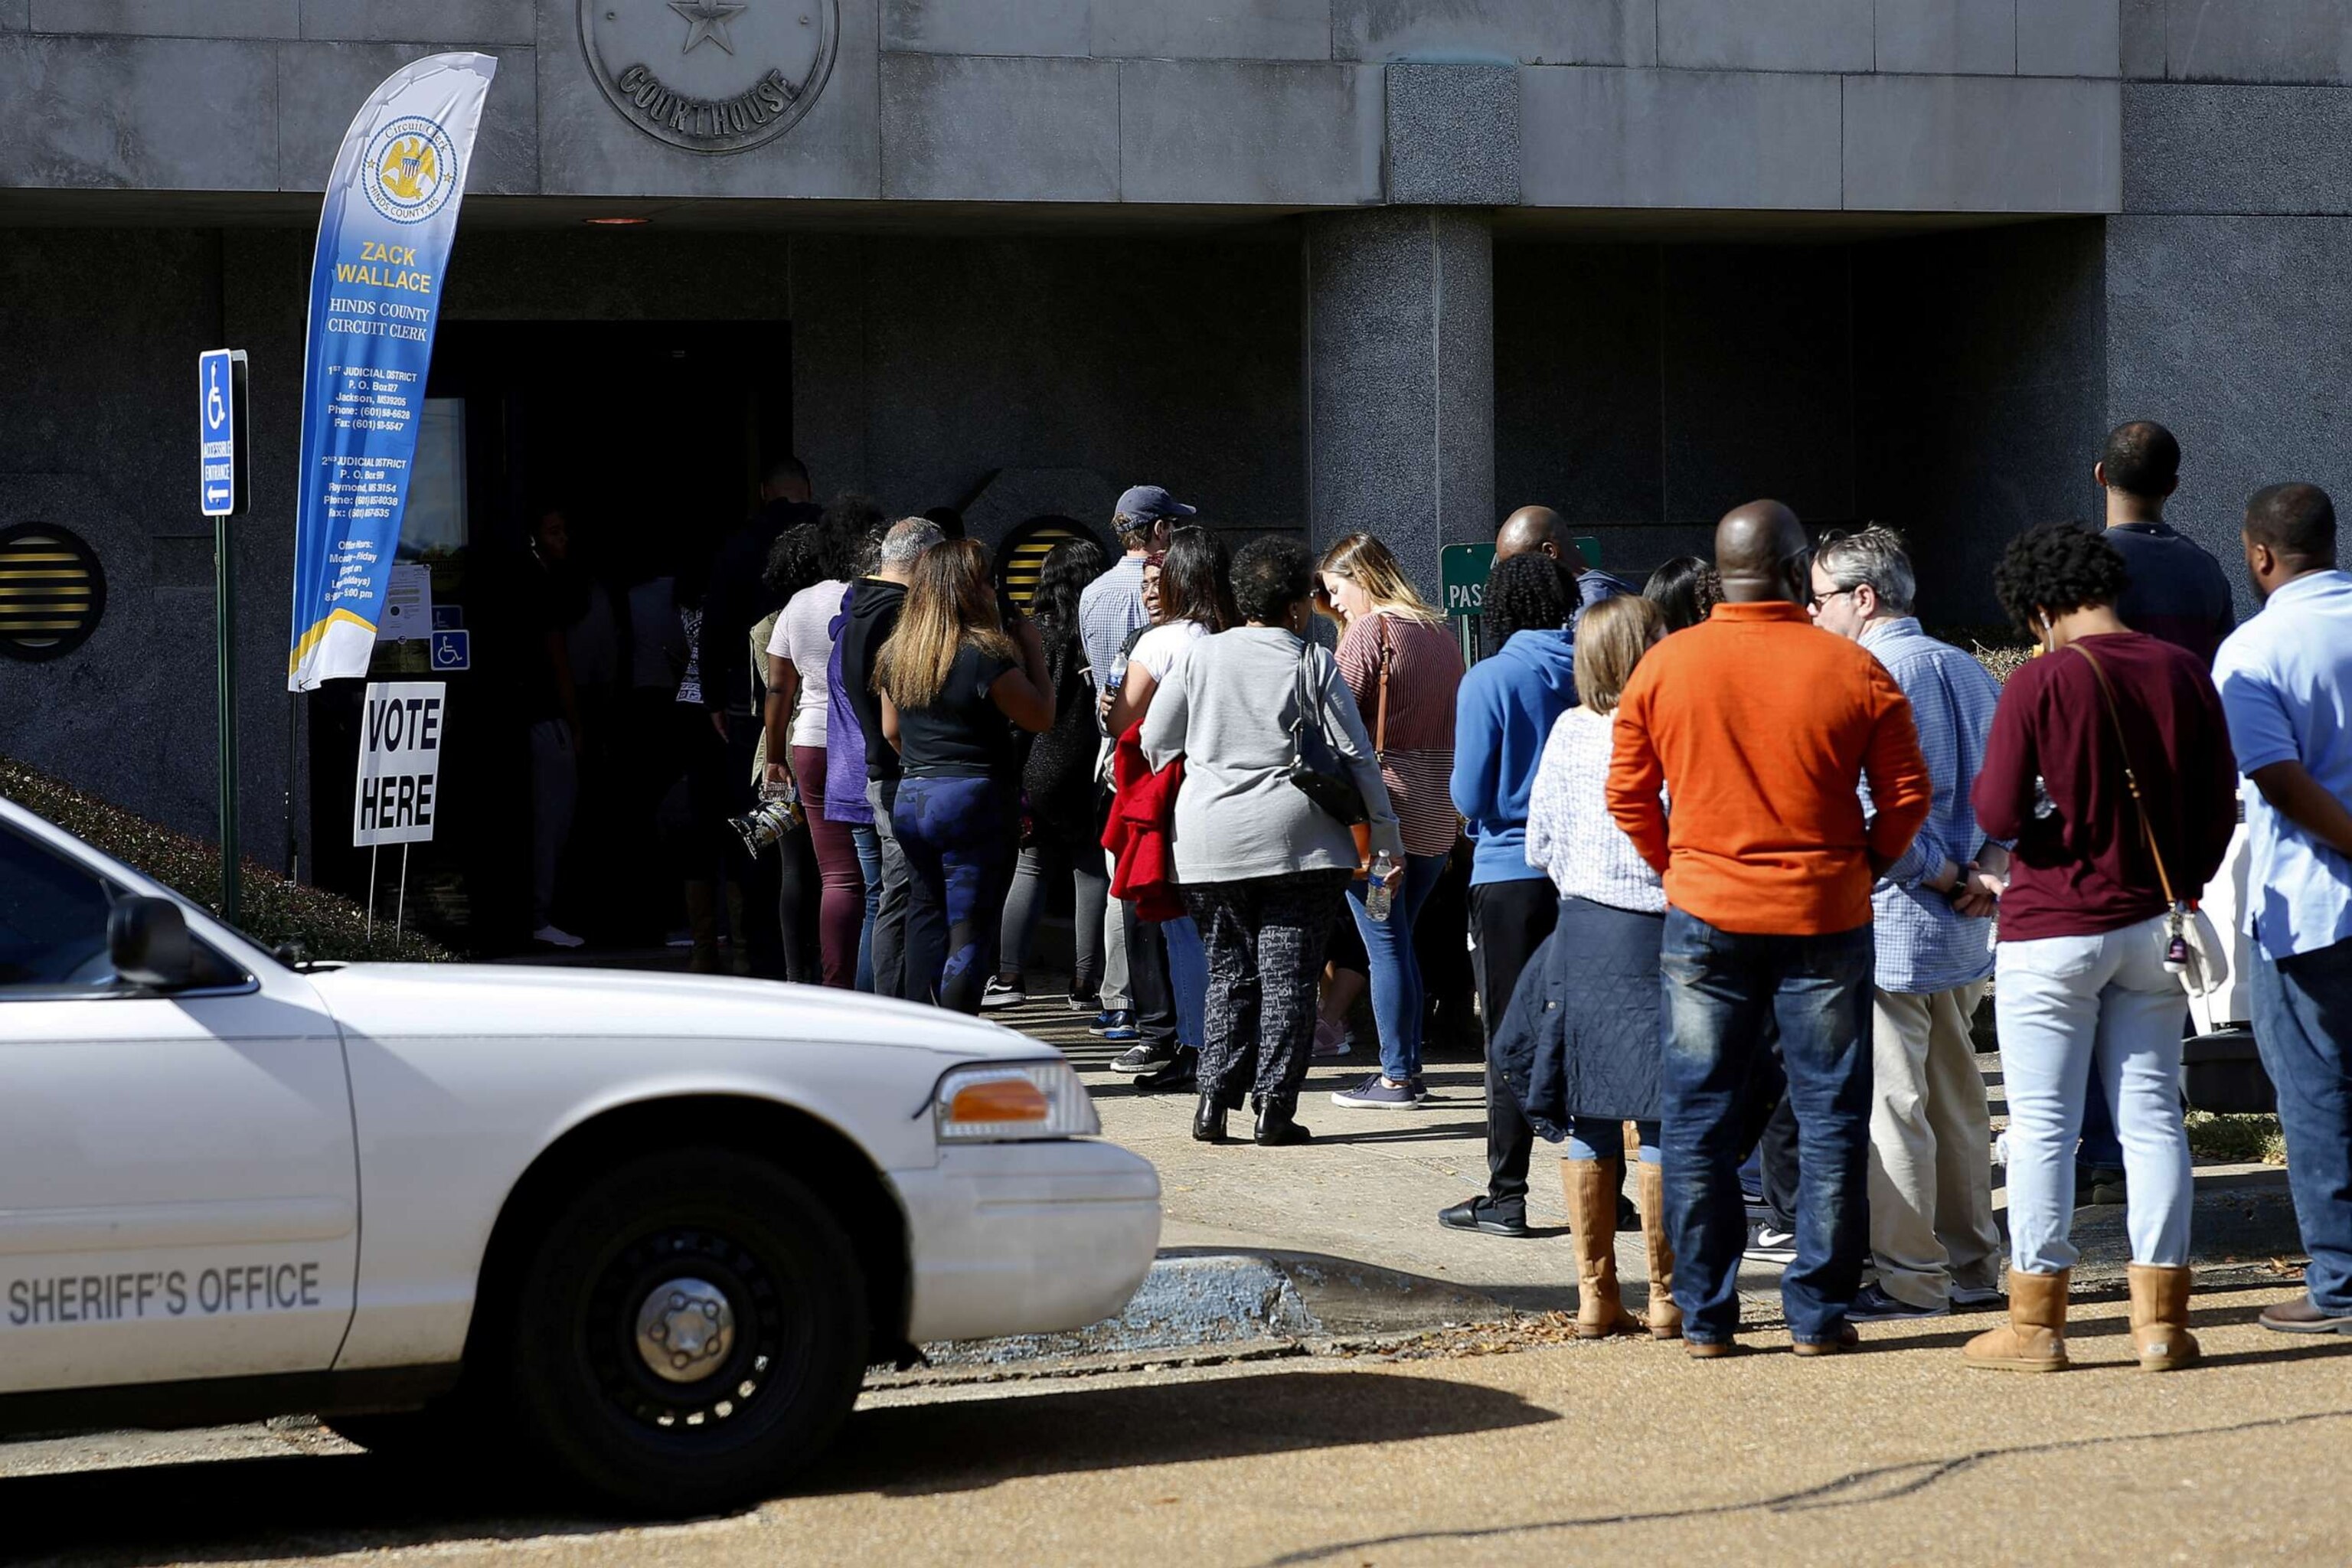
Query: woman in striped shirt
1395 642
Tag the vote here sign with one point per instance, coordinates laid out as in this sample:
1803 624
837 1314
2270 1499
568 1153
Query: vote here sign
400 763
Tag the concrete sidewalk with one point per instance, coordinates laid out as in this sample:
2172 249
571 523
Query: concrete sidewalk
1366 1193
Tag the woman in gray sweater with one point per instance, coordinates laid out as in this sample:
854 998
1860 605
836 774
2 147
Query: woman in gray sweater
1263 868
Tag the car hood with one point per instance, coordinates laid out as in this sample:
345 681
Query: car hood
532 1001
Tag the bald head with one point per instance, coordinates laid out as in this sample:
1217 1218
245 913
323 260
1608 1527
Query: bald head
1534 528
1755 547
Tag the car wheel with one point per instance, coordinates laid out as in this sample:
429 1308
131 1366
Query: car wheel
690 1332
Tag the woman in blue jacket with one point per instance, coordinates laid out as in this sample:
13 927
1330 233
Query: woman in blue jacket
1502 714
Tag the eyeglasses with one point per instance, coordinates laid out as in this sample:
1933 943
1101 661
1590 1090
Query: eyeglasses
1821 601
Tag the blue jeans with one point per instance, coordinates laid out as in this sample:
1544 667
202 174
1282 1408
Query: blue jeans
2302 1026
1592 1137
1397 1004
956 833
1721 988
870 864
2084 1014
1188 977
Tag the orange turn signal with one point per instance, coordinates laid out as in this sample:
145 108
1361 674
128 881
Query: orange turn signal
1000 1099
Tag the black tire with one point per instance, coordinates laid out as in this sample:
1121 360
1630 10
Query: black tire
590 1401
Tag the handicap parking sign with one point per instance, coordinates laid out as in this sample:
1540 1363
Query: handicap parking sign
451 651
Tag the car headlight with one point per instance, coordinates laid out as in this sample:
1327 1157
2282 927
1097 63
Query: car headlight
997 1102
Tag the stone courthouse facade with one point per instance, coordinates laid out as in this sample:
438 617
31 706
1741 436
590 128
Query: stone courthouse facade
1321 264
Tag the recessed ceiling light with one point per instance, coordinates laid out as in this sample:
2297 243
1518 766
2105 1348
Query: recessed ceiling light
616 222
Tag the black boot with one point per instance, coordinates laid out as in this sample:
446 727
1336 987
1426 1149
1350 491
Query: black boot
1182 1073
1278 1125
1209 1120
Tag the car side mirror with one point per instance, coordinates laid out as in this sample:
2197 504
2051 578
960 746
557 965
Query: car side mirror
148 940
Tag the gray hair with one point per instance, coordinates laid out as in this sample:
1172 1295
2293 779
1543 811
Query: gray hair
907 539
1873 555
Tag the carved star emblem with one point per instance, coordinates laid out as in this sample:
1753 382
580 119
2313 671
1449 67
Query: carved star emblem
708 19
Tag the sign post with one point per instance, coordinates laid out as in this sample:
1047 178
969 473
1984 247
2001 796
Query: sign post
221 494
396 801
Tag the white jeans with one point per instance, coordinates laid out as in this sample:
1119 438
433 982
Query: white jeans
2079 1010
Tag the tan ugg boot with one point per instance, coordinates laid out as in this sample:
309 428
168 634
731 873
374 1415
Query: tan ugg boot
2034 1339
1592 1188
1650 1189
2160 1318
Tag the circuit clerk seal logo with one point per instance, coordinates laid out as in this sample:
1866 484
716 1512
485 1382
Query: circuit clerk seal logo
711 76
410 169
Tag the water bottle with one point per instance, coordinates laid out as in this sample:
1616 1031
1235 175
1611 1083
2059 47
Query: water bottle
1379 896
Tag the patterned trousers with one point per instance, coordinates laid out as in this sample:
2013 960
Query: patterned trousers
1265 938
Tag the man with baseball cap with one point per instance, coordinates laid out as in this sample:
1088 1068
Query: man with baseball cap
1136 1008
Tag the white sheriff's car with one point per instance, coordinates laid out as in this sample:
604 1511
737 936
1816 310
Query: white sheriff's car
647 1229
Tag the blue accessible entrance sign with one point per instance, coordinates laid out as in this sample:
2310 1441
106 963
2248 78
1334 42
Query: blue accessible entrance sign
451 652
220 433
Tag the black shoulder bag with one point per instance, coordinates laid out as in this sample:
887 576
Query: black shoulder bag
1316 767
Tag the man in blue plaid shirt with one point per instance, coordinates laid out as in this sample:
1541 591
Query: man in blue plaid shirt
1931 1229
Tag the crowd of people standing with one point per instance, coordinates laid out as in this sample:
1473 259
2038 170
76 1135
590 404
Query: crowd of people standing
1747 849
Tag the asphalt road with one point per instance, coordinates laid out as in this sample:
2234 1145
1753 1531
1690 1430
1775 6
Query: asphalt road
1618 1452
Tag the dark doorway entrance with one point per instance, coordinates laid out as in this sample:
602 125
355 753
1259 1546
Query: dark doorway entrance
648 439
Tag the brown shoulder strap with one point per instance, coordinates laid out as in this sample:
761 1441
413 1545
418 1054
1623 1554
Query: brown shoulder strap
1381 725
2131 776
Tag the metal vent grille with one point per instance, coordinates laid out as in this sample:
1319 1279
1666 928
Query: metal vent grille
52 591
1018 560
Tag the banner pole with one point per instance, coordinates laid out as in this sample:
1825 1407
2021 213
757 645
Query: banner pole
373 852
400 907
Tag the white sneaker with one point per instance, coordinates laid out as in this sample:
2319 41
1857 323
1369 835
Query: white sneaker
555 936
999 995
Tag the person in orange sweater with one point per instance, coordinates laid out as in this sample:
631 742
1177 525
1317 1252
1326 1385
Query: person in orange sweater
1759 728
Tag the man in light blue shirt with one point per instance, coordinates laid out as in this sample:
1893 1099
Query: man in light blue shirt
2287 687
1932 1235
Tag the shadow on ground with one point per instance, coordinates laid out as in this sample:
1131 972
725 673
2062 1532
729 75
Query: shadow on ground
323 1505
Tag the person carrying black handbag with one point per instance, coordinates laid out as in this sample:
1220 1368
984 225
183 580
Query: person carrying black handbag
1263 864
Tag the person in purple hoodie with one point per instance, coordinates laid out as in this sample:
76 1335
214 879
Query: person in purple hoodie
1503 715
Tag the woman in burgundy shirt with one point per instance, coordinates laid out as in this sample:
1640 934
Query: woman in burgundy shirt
2083 997
1389 627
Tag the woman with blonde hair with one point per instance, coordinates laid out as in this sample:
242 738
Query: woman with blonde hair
953 684
1583 1046
1399 662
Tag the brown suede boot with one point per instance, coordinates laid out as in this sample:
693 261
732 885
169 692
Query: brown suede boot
2160 1318
2035 1339
1650 1187
1593 1186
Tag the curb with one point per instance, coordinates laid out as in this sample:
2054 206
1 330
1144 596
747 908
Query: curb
1195 1300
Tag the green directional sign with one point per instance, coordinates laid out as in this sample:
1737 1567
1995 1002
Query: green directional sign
1463 570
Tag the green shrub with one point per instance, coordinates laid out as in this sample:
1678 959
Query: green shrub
274 911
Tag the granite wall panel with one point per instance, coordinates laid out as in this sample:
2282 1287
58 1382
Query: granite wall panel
987 26
321 86
478 21
1533 32
1250 132
2258 40
2235 331
2070 37
1981 417
138 113
1594 137
1000 130
1982 144
1453 135
180 19
1785 35
2194 147
1223 29
1966 36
